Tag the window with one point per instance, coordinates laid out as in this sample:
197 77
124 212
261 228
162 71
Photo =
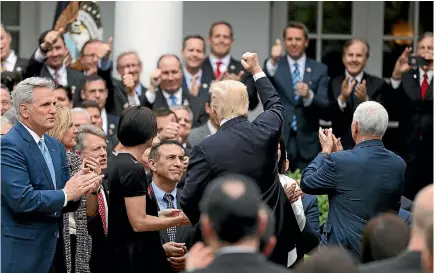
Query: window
10 14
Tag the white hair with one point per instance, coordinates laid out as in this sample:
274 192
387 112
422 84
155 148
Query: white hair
83 130
4 120
23 93
372 118
183 107
11 115
80 110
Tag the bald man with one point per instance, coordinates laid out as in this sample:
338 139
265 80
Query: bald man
410 261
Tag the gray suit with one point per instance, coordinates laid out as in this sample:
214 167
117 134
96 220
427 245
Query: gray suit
198 134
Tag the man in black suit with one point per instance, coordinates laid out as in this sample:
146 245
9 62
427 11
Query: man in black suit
302 86
232 223
248 148
48 62
166 163
220 65
410 261
350 89
413 100
9 60
193 55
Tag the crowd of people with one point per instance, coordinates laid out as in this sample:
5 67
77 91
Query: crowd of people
107 175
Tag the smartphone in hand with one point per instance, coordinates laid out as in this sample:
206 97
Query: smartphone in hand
417 61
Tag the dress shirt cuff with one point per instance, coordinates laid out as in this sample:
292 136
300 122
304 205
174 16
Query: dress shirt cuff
271 69
308 101
297 207
40 56
133 100
104 64
259 75
66 198
150 96
395 83
341 105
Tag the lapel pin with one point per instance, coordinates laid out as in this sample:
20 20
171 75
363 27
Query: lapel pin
308 69
205 85
232 67
125 105
185 103
414 76
19 69
112 126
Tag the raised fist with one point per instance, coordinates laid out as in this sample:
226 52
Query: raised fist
276 51
50 39
250 63
155 78
128 81
105 50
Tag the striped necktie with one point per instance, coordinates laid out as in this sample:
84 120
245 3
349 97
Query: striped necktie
296 78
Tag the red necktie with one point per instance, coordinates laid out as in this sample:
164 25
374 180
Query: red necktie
217 71
424 86
102 212
56 77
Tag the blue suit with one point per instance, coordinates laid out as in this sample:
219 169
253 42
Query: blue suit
31 207
360 183
305 145
311 211
405 215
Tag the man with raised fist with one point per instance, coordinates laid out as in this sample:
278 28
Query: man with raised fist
247 148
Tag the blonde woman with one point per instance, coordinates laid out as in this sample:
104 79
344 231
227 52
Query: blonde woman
77 242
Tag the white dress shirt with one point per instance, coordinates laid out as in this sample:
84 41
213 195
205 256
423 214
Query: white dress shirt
211 128
37 139
178 97
104 121
358 78
63 79
10 61
395 83
225 63
189 77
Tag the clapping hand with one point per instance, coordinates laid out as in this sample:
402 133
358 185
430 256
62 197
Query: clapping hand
326 140
360 91
302 90
199 257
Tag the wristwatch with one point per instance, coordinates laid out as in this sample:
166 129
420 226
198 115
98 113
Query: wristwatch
97 191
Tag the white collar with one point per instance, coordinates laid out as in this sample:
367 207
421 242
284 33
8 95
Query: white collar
61 71
11 59
429 73
301 62
212 129
358 78
177 94
225 60
225 120
33 134
236 249
189 76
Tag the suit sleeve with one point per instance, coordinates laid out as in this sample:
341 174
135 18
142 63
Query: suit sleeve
312 215
320 99
33 68
319 177
197 178
252 92
17 191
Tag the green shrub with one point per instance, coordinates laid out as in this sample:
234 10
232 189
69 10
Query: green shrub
323 201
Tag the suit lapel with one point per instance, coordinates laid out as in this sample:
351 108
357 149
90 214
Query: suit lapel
207 69
163 232
414 88
307 77
429 93
45 73
284 76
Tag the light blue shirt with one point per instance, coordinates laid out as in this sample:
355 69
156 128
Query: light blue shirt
138 90
189 77
159 194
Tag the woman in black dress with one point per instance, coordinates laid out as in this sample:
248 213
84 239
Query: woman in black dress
133 222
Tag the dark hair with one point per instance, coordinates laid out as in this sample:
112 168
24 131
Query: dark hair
42 37
281 165
66 89
297 25
271 226
10 79
385 236
194 36
169 55
155 150
94 78
221 23
90 104
163 112
91 41
137 126
350 42
330 259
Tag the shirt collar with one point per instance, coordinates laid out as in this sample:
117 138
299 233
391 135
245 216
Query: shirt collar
211 128
236 249
225 120
301 62
138 89
189 77
11 59
33 134
359 77
177 94
61 71
429 73
225 60
159 193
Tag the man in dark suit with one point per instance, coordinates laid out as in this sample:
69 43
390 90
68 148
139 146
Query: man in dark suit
36 188
410 261
232 224
193 55
302 85
311 211
9 60
350 89
166 163
413 100
48 62
248 148
360 182
220 65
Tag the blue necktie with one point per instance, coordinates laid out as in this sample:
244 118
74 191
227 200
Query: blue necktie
172 99
295 79
47 157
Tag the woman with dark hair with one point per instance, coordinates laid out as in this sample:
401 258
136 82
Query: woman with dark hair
385 236
134 220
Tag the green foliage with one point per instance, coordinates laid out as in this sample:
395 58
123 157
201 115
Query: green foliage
323 201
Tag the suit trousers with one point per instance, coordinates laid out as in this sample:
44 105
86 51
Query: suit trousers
58 265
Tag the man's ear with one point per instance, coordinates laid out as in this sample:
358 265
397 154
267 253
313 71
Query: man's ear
152 165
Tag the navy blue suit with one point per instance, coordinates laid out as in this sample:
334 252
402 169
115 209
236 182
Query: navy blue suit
247 148
311 211
360 183
405 215
205 84
31 207
305 145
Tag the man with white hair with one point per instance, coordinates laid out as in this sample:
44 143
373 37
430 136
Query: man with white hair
80 116
5 125
360 182
247 148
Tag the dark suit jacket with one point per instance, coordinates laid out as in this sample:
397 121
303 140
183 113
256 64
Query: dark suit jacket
198 134
205 84
75 79
376 89
242 262
247 148
315 75
408 262
360 183
20 66
31 208
236 67
311 211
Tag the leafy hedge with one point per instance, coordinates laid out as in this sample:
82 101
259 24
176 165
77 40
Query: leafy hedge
323 202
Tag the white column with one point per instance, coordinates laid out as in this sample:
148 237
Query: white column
150 28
